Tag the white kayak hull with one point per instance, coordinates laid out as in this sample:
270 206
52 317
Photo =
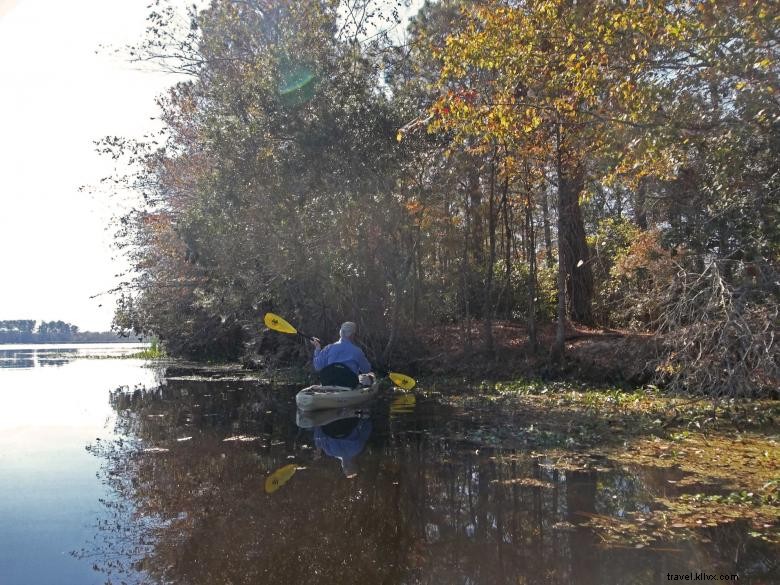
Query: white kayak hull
317 418
324 397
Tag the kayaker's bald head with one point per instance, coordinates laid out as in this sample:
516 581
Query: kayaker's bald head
347 330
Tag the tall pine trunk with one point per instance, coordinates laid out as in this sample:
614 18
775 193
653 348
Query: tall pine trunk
560 329
546 224
491 264
573 246
575 278
529 226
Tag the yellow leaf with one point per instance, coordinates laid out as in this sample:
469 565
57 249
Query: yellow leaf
399 136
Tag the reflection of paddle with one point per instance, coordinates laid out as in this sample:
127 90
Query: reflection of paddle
277 323
279 477
403 404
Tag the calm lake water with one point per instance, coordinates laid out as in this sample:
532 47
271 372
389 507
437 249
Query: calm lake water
110 474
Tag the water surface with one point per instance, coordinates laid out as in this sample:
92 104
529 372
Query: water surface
172 489
58 354
49 492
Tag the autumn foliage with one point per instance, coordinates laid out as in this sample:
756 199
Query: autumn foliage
606 163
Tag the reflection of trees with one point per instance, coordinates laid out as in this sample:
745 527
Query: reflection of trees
16 358
424 508
58 357
30 358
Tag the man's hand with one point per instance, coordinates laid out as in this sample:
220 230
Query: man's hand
316 343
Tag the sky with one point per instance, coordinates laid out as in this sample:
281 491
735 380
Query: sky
59 92
57 96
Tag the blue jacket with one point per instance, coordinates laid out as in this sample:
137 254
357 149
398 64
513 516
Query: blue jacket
347 447
342 352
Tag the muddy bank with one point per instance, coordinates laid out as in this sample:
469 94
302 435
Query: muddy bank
593 355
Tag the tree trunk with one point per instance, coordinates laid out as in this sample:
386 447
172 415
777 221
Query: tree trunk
546 223
466 281
529 223
394 322
488 309
474 202
573 248
560 329
397 282
510 301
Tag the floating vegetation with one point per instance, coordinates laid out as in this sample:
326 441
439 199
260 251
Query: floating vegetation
241 439
526 482
719 460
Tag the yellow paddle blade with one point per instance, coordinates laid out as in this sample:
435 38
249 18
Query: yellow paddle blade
402 380
279 477
276 323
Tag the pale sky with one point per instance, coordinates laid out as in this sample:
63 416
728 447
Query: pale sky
56 97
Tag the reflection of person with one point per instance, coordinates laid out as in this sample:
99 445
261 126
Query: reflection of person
340 363
344 439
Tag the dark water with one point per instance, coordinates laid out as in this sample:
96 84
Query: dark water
172 489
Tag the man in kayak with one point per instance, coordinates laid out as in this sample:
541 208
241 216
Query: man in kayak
340 363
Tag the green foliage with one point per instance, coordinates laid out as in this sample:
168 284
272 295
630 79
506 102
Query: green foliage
155 351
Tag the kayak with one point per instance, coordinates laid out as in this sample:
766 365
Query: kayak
323 397
319 418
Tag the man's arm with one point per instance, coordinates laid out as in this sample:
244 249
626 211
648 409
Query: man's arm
364 364
320 355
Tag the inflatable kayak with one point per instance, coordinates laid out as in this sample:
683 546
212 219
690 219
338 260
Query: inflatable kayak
324 397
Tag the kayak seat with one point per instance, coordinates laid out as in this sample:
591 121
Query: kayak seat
338 375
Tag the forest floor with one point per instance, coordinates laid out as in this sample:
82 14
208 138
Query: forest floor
592 354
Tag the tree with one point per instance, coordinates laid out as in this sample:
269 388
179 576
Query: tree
557 75
277 151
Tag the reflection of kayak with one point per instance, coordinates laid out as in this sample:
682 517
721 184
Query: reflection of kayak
318 418
324 397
